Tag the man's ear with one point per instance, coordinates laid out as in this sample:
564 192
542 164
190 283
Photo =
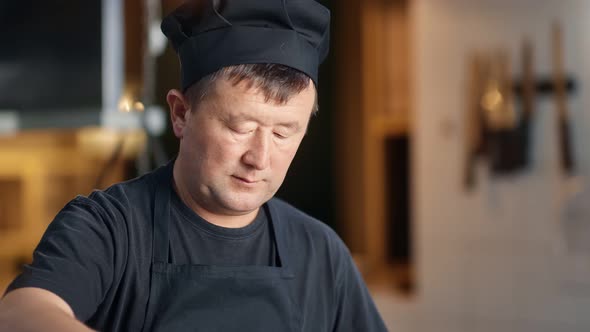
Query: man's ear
179 111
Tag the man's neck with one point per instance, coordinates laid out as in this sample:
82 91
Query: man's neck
218 219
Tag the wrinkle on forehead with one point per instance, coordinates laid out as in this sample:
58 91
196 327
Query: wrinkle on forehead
240 104
223 87
227 93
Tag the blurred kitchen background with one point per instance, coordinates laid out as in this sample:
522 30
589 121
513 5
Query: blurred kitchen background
449 150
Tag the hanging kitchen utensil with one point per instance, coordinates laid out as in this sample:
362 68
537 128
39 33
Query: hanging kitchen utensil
474 128
559 81
502 118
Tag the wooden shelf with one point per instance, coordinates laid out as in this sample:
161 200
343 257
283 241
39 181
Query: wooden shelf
386 126
374 55
41 171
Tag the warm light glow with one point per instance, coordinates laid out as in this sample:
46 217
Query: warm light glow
491 100
125 104
138 106
499 111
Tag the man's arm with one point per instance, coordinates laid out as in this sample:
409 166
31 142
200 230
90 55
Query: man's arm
34 309
355 309
72 268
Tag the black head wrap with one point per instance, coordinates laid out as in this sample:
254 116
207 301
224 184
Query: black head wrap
216 34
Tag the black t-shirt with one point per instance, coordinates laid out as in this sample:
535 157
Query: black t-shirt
97 252
193 240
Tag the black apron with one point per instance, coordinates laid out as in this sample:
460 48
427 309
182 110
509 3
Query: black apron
216 298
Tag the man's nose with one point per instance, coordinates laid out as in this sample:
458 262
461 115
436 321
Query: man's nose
258 153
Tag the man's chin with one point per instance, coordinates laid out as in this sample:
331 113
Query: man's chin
244 206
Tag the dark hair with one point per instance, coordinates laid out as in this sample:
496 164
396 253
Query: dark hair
277 82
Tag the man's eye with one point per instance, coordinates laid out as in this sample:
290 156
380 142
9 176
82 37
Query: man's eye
280 136
242 131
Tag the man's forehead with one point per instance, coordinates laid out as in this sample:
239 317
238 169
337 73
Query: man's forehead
254 89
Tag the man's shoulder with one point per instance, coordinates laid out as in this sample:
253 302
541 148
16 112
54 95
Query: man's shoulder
139 188
119 199
297 217
301 225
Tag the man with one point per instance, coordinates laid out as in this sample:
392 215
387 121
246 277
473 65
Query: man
200 244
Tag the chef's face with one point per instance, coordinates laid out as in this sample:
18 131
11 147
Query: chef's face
236 146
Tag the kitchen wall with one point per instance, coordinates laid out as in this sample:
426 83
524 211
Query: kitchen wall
511 255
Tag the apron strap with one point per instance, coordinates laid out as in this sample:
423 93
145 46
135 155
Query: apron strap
280 238
161 218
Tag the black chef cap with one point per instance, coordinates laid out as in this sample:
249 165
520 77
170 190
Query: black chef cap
215 34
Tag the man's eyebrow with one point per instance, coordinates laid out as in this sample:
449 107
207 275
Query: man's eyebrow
240 117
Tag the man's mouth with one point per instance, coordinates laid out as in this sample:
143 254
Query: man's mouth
245 180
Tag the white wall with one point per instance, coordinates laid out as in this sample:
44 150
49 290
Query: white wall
495 259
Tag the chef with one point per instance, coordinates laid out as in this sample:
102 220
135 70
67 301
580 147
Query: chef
200 244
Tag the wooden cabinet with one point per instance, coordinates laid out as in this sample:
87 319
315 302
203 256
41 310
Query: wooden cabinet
373 53
41 171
